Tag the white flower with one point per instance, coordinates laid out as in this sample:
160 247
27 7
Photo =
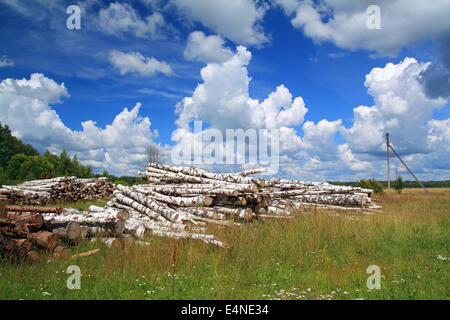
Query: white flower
44 293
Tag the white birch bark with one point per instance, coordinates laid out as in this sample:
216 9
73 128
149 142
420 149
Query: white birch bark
204 212
251 171
207 238
246 214
162 209
136 205
191 171
178 201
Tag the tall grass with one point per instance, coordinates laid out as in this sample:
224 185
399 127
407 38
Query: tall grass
322 255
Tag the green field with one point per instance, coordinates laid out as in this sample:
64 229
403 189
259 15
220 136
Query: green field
321 255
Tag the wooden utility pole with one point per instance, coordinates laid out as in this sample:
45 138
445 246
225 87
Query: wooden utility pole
388 169
388 145
393 150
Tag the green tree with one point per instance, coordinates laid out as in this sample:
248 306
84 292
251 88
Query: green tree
3 179
54 160
371 184
35 167
398 184
10 145
14 164
64 165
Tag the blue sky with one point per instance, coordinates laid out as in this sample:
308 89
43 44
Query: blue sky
320 61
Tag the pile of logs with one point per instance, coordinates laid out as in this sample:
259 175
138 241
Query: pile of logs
177 202
24 232
56 190
236 194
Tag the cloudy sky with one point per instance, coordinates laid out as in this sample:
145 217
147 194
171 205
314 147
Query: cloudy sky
140 72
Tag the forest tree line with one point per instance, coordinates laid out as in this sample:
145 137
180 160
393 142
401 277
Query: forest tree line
22 162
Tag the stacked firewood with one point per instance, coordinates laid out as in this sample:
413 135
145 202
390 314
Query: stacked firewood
56 190
24 232
292 195
27 231
235 192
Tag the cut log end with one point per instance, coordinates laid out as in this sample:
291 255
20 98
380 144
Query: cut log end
44 239
61 252
32 256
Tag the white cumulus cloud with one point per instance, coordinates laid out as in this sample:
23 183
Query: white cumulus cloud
120 147
237 20
121 18
344 22
135 62
206 48
223 100
401 108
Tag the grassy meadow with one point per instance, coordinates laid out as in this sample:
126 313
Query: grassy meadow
316 255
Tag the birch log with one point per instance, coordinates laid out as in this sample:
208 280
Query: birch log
178 201
164 210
